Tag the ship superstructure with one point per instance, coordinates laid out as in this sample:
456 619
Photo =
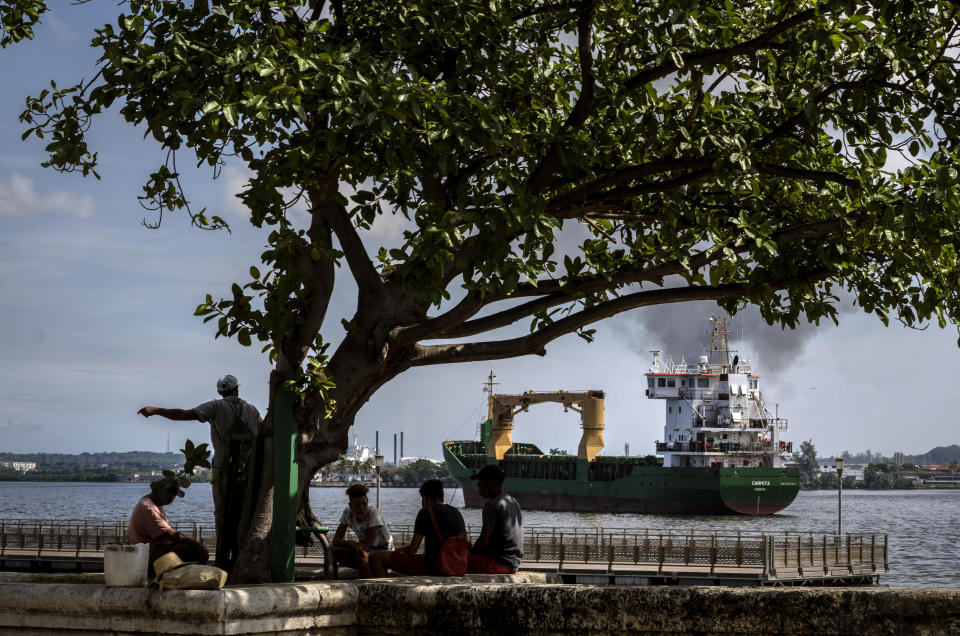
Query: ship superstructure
715 413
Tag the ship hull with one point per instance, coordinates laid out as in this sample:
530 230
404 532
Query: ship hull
646 490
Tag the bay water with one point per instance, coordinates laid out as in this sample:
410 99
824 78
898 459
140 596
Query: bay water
923 525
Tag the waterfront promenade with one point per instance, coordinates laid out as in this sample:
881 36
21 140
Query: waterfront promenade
921 526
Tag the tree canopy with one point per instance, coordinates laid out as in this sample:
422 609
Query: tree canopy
549 163
806 461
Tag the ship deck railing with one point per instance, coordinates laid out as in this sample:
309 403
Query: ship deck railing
608 553
724 447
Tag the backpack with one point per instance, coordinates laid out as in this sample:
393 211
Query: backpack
452 560
241 476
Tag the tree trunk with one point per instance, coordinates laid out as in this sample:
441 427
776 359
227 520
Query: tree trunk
360 366
359 371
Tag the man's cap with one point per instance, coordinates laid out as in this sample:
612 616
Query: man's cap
227 383
167 485
493 472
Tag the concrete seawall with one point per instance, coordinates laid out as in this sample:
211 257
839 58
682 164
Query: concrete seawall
476 605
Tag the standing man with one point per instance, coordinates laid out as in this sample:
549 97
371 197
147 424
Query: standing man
148 524
499 548
227 416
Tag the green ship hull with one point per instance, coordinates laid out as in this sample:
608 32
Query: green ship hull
623 484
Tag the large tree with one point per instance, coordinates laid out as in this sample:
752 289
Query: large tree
806 461
769 152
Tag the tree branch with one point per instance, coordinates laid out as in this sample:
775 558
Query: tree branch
630 173
356 254
536 342
807 175
552 293
668 185
433 327
547 8
716 56
318 280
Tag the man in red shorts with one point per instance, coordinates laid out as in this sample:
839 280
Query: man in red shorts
499 548
449 522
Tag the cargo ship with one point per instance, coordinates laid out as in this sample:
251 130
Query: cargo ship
721 451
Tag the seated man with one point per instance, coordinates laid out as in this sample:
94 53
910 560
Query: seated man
372 533
148 524
448 520
499 547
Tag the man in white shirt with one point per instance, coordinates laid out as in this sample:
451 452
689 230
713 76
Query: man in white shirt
372 532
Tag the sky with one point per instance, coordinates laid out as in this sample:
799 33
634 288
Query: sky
96 320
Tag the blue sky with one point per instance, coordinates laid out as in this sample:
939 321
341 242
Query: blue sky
96 320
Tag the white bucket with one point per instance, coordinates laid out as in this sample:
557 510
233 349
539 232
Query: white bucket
126 565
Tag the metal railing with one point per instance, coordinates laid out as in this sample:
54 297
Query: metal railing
779 555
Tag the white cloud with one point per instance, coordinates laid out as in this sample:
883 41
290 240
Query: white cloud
233 181
19 197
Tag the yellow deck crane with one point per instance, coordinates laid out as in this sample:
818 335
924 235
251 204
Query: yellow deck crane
588 403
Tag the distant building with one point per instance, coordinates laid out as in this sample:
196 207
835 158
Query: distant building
23 467
359 452
849 470
406 461
898 459
951 481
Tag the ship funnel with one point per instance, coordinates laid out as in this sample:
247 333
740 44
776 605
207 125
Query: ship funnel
592 418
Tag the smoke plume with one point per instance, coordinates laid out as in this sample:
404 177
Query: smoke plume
682 330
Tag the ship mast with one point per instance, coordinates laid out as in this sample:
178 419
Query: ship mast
720 344
488 387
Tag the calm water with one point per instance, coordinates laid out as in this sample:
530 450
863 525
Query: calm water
923 526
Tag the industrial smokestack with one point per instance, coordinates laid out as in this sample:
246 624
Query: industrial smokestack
401 445
376 442
395 449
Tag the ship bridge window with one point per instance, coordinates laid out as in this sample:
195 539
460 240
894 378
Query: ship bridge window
753 384
661 382
703 382
650 382
671 382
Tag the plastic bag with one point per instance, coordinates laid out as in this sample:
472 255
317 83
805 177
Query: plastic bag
193 577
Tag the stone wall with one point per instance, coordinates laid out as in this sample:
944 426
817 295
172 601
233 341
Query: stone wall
476 605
